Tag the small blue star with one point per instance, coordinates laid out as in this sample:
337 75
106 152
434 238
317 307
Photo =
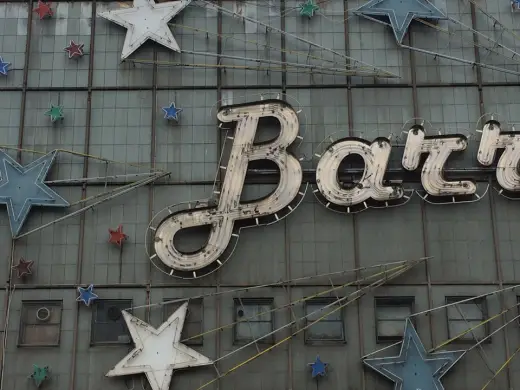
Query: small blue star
172 112
86 295
4 66
318 367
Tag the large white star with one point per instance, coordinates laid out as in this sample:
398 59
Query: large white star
158 352
146 20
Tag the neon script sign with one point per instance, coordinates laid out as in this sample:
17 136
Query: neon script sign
228 215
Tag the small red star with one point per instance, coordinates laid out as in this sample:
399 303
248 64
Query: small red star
23 267
117 236
74 49
43 9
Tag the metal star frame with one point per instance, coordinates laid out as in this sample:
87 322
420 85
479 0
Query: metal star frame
40 374
86 295
4 67
55 112
308 8
147 20
172 112
23 267
415 368
74 49
22 187
319 368
400 13
158 352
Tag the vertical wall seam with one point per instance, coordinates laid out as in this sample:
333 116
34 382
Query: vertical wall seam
424 228
350 119
218 303
82 220
498 264
153 157
9 283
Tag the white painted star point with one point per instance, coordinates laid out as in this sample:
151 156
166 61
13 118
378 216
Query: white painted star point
146 20
158 352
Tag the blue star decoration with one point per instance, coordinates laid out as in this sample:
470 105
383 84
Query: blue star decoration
22 187
400 13
415 368
172 112
318 367
86 295
4 66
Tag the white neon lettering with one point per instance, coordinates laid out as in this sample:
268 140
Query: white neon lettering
507 166
375 156
229 208
439 149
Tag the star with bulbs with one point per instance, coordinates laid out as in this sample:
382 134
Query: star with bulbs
172 112
415 368
400 13
22 187
86 295
146 20
55 112
158 352
117 236
23 267
74 49
318 367
43 10
4 67
308 8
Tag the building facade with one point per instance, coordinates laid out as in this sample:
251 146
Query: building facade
449 76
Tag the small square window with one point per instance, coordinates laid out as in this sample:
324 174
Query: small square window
193 324
253 320
465 316
40 323
108 323
329 330
391 315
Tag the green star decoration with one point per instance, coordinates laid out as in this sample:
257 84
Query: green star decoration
308 8
56 112
40 374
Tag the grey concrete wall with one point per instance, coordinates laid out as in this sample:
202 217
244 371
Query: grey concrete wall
113 110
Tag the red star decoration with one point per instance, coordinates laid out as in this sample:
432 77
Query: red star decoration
117 236
43 9
74 49
23 267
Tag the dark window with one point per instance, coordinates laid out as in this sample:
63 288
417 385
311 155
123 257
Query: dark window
465 316
331 328
40 323
253 320
193 324
391 315
108 323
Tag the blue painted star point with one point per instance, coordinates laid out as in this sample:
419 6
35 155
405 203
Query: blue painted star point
172 112
318 367
415 368
400 13
86 295
22 187
4 66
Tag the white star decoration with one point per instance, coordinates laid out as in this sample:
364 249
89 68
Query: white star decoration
146 20
158 352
